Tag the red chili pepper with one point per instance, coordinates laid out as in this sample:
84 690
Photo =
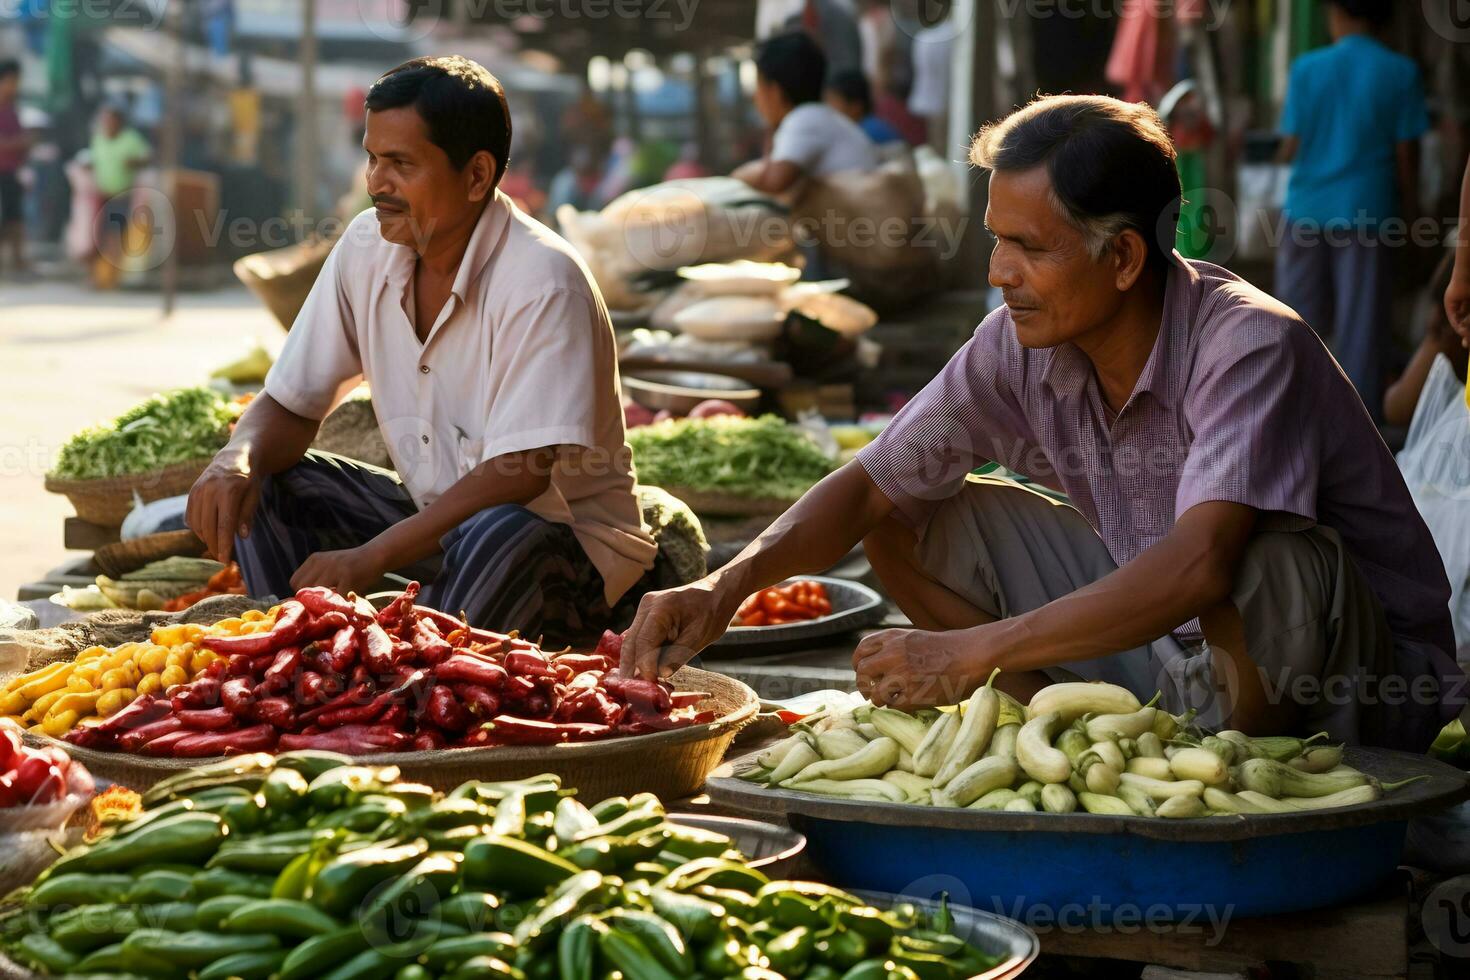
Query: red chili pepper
446 623
309 687
529 731
342 653
200 693
139 713
361 675
324 626
355 694
320 601
131 740
583 662
237 695
349 740
290 622
637 692
278 712
610 646
518 688
376 648
163 745
687 699
471 670
528 664
355 714
476 738
396 717
393 612
444 710
283 668
429 739
200 744
482 702
207 719
428 646
239 665
535 706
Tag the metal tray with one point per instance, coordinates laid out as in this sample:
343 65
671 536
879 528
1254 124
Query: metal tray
1024 863
994 935
770 847
854 606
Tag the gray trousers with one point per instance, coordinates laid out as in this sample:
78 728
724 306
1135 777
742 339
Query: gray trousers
1313 627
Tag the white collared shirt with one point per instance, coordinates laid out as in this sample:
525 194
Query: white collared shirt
521 357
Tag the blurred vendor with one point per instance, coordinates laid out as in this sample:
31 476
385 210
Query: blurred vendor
849 93
491 363
1238 536
806 136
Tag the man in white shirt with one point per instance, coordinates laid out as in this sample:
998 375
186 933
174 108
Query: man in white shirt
808 137
491 362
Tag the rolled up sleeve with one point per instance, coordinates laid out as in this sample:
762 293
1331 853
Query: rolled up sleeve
966 416
1255 438
549 358
320 363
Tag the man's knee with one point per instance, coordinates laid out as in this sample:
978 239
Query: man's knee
890 545
1296 571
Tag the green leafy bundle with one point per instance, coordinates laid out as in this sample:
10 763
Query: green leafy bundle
760 457
173 427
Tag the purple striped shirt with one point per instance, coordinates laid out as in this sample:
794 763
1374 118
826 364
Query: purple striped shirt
1239 401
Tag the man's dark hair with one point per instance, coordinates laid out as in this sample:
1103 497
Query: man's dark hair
462 104
795 64
1111 165
1375 12
852 85
8 67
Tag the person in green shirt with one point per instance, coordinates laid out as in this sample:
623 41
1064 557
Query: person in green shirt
118 152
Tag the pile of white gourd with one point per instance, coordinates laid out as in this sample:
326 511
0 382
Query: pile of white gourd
1087 745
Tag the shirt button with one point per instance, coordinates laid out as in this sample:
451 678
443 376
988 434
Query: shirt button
426 440
423 369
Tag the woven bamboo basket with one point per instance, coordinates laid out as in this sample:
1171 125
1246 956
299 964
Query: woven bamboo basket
107 501
281 279
671 764
121 557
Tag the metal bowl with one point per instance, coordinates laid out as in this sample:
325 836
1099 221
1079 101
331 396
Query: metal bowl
770 847
993 935
854 606
680 391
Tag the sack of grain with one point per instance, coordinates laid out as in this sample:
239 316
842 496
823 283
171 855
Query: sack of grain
753 319
739 278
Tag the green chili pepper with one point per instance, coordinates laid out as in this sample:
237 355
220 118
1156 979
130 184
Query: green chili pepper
539 794
161 886
874 925
186 838
244 966
609 809
114 960
590 855
280 917
821 971
212 912
734 901
450 952
567 899
510 816
925 965
842 948
790 951
341 885
362 818
284 791
413 972
222 881
455 838
193 949
515 866
716 872
321 954
635 821
695 842
245 771
449 813
659 937
627 953
345 785
90 927
697 919
486 968
398 911
266 855
576 949
474 911
79 890
370 964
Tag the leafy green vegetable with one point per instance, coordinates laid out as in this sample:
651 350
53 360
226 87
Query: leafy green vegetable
761 457
174 427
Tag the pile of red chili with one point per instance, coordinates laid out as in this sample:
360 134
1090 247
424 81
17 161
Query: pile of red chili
797 602
332 673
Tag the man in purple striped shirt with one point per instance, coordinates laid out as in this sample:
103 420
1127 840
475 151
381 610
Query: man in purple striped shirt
1238 536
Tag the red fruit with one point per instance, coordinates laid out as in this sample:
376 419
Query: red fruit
10 748
711 407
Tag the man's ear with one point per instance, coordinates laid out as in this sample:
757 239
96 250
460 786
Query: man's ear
1130 256
480 174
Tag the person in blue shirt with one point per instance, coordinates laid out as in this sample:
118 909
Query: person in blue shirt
1353 116
848 92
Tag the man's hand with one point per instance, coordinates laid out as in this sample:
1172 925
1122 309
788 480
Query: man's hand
351 570
222 503
1457 304
909 668
674 625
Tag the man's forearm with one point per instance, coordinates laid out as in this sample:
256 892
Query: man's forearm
516 479
270 437
815 534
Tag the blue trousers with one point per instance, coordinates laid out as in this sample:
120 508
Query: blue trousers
1342 289
505 568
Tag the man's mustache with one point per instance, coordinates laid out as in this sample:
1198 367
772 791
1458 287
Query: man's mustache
392 202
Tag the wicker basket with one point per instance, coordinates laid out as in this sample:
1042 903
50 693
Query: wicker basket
121 557
672 765
107 501
281 279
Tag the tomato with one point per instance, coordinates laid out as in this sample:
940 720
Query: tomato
757 618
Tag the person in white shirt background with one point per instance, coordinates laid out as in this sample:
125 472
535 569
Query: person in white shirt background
491 363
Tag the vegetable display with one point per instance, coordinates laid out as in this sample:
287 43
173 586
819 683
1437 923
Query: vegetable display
324 671
797 602
760 457
170 585
102 681
1078 746
303 866
174 427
